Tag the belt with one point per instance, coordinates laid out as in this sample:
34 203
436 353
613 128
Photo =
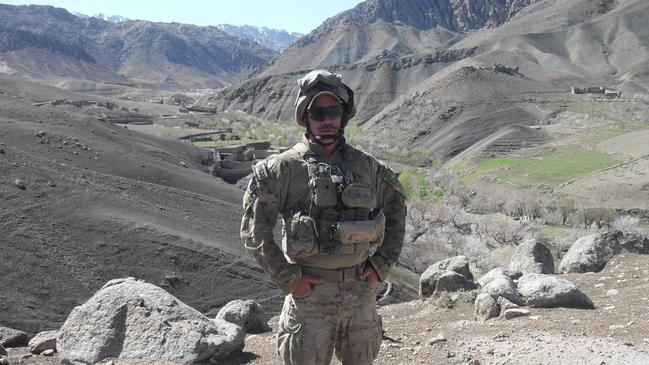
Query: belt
335 275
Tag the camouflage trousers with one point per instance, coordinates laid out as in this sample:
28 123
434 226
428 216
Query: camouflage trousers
334 316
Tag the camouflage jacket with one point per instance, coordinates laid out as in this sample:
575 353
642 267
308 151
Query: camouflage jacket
280 183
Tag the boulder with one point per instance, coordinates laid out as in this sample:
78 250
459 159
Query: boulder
503 286
515 312
43 341
128 318
428 280
10 337
591 253
532 257
247 314
634 243
451 281
546 291
486 306
499 271
505 304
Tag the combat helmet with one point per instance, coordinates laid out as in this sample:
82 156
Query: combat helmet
319 82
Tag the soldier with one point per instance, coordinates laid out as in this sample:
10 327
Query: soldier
343 216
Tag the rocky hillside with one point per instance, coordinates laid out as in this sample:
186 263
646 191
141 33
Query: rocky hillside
499 71
49 44
275 39
377 27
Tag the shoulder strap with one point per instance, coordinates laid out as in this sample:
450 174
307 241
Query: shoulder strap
301 148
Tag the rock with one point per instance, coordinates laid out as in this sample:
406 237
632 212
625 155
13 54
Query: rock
2 152
10 337
486 306
591 253
532 257
20 184
451 281
48 353
515 312
4 361
505 304
128 318
499 271
612 292
40 134
635 243
428 280
43 341
546 291
503 286
437 339
3 352
247 314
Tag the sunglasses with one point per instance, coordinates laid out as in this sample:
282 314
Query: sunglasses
321 114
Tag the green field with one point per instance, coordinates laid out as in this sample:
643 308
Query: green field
553 232
418 186
233 142
566 163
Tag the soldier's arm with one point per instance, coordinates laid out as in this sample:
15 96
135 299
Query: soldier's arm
261 203
394 208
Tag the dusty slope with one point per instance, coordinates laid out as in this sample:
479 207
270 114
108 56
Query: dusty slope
578 42
101 202
616 332
448 113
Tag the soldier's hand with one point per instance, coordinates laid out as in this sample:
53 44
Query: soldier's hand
370 275
304 286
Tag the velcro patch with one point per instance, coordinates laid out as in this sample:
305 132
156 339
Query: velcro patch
261 172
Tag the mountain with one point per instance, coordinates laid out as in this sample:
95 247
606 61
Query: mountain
447 80
375 27
277 40
50 44
108 18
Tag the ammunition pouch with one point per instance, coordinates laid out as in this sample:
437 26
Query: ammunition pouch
300 239
365 232
359 196
325 192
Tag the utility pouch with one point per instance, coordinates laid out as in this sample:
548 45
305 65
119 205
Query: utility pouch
359 196
301 239
362 232
324 192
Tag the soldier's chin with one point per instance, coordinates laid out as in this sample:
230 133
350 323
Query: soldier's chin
327 138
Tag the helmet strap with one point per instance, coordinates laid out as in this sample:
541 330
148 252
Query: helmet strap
324 141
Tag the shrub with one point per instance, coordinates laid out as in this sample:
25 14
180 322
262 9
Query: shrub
628 225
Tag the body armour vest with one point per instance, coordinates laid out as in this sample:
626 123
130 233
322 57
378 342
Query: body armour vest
339 214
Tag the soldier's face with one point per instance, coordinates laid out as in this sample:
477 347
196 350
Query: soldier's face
330 125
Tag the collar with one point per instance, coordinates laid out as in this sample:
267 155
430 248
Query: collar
318 150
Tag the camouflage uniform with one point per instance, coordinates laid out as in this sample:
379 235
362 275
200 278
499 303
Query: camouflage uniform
339 314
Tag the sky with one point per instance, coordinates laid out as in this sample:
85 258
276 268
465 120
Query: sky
292 15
